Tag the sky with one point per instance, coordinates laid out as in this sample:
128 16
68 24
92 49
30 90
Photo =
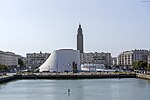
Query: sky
114 26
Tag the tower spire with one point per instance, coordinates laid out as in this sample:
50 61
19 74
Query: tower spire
80 39
79 25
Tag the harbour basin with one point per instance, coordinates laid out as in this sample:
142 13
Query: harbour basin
83 89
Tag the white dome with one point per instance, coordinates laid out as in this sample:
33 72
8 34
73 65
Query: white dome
61 61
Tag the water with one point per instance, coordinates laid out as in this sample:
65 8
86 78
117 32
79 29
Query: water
92 89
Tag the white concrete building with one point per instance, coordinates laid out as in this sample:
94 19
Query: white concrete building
92 67
8 58
128 57
96 58
35 60
62 61
114 61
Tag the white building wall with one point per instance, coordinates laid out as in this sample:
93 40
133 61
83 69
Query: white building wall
114 61
61 61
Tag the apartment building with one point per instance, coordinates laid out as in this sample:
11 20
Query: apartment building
96 58
8 58
127 58
35 60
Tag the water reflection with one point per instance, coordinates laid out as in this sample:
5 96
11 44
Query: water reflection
61 90
96 89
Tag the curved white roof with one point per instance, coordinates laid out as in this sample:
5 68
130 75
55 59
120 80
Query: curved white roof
61 61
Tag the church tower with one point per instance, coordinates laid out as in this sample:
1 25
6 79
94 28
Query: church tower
80 39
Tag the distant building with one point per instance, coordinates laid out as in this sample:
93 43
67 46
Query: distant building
92 67
96 58
128 57
80 40
148 60
114 61
35 60
24 59
8 58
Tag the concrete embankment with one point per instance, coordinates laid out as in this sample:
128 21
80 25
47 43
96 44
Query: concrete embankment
6 79
143 76
64 76
87 76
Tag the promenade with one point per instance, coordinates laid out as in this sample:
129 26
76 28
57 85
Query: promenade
143 76
6 77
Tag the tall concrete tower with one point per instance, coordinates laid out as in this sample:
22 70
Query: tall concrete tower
80 39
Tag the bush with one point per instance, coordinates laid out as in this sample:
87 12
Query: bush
3 68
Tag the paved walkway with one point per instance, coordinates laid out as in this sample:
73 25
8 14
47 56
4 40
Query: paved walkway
6 75
143 76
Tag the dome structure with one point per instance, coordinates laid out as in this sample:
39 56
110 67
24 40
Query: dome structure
62 60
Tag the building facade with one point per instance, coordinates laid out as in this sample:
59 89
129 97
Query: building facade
80 40
128 57
8 58
114 61
96 58
35 60
148 60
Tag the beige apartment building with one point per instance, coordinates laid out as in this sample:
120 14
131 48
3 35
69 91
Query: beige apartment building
8 58
96 58
127 58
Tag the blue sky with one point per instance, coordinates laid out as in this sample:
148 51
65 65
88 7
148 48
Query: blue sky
113 26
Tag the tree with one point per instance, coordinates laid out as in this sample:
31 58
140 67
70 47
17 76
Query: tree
148 67
140 65
135 65
3 68
143 65
20 62
74 65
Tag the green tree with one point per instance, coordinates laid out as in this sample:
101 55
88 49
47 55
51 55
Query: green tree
3 68
148 67
20 62
135 65
140 65
74 65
